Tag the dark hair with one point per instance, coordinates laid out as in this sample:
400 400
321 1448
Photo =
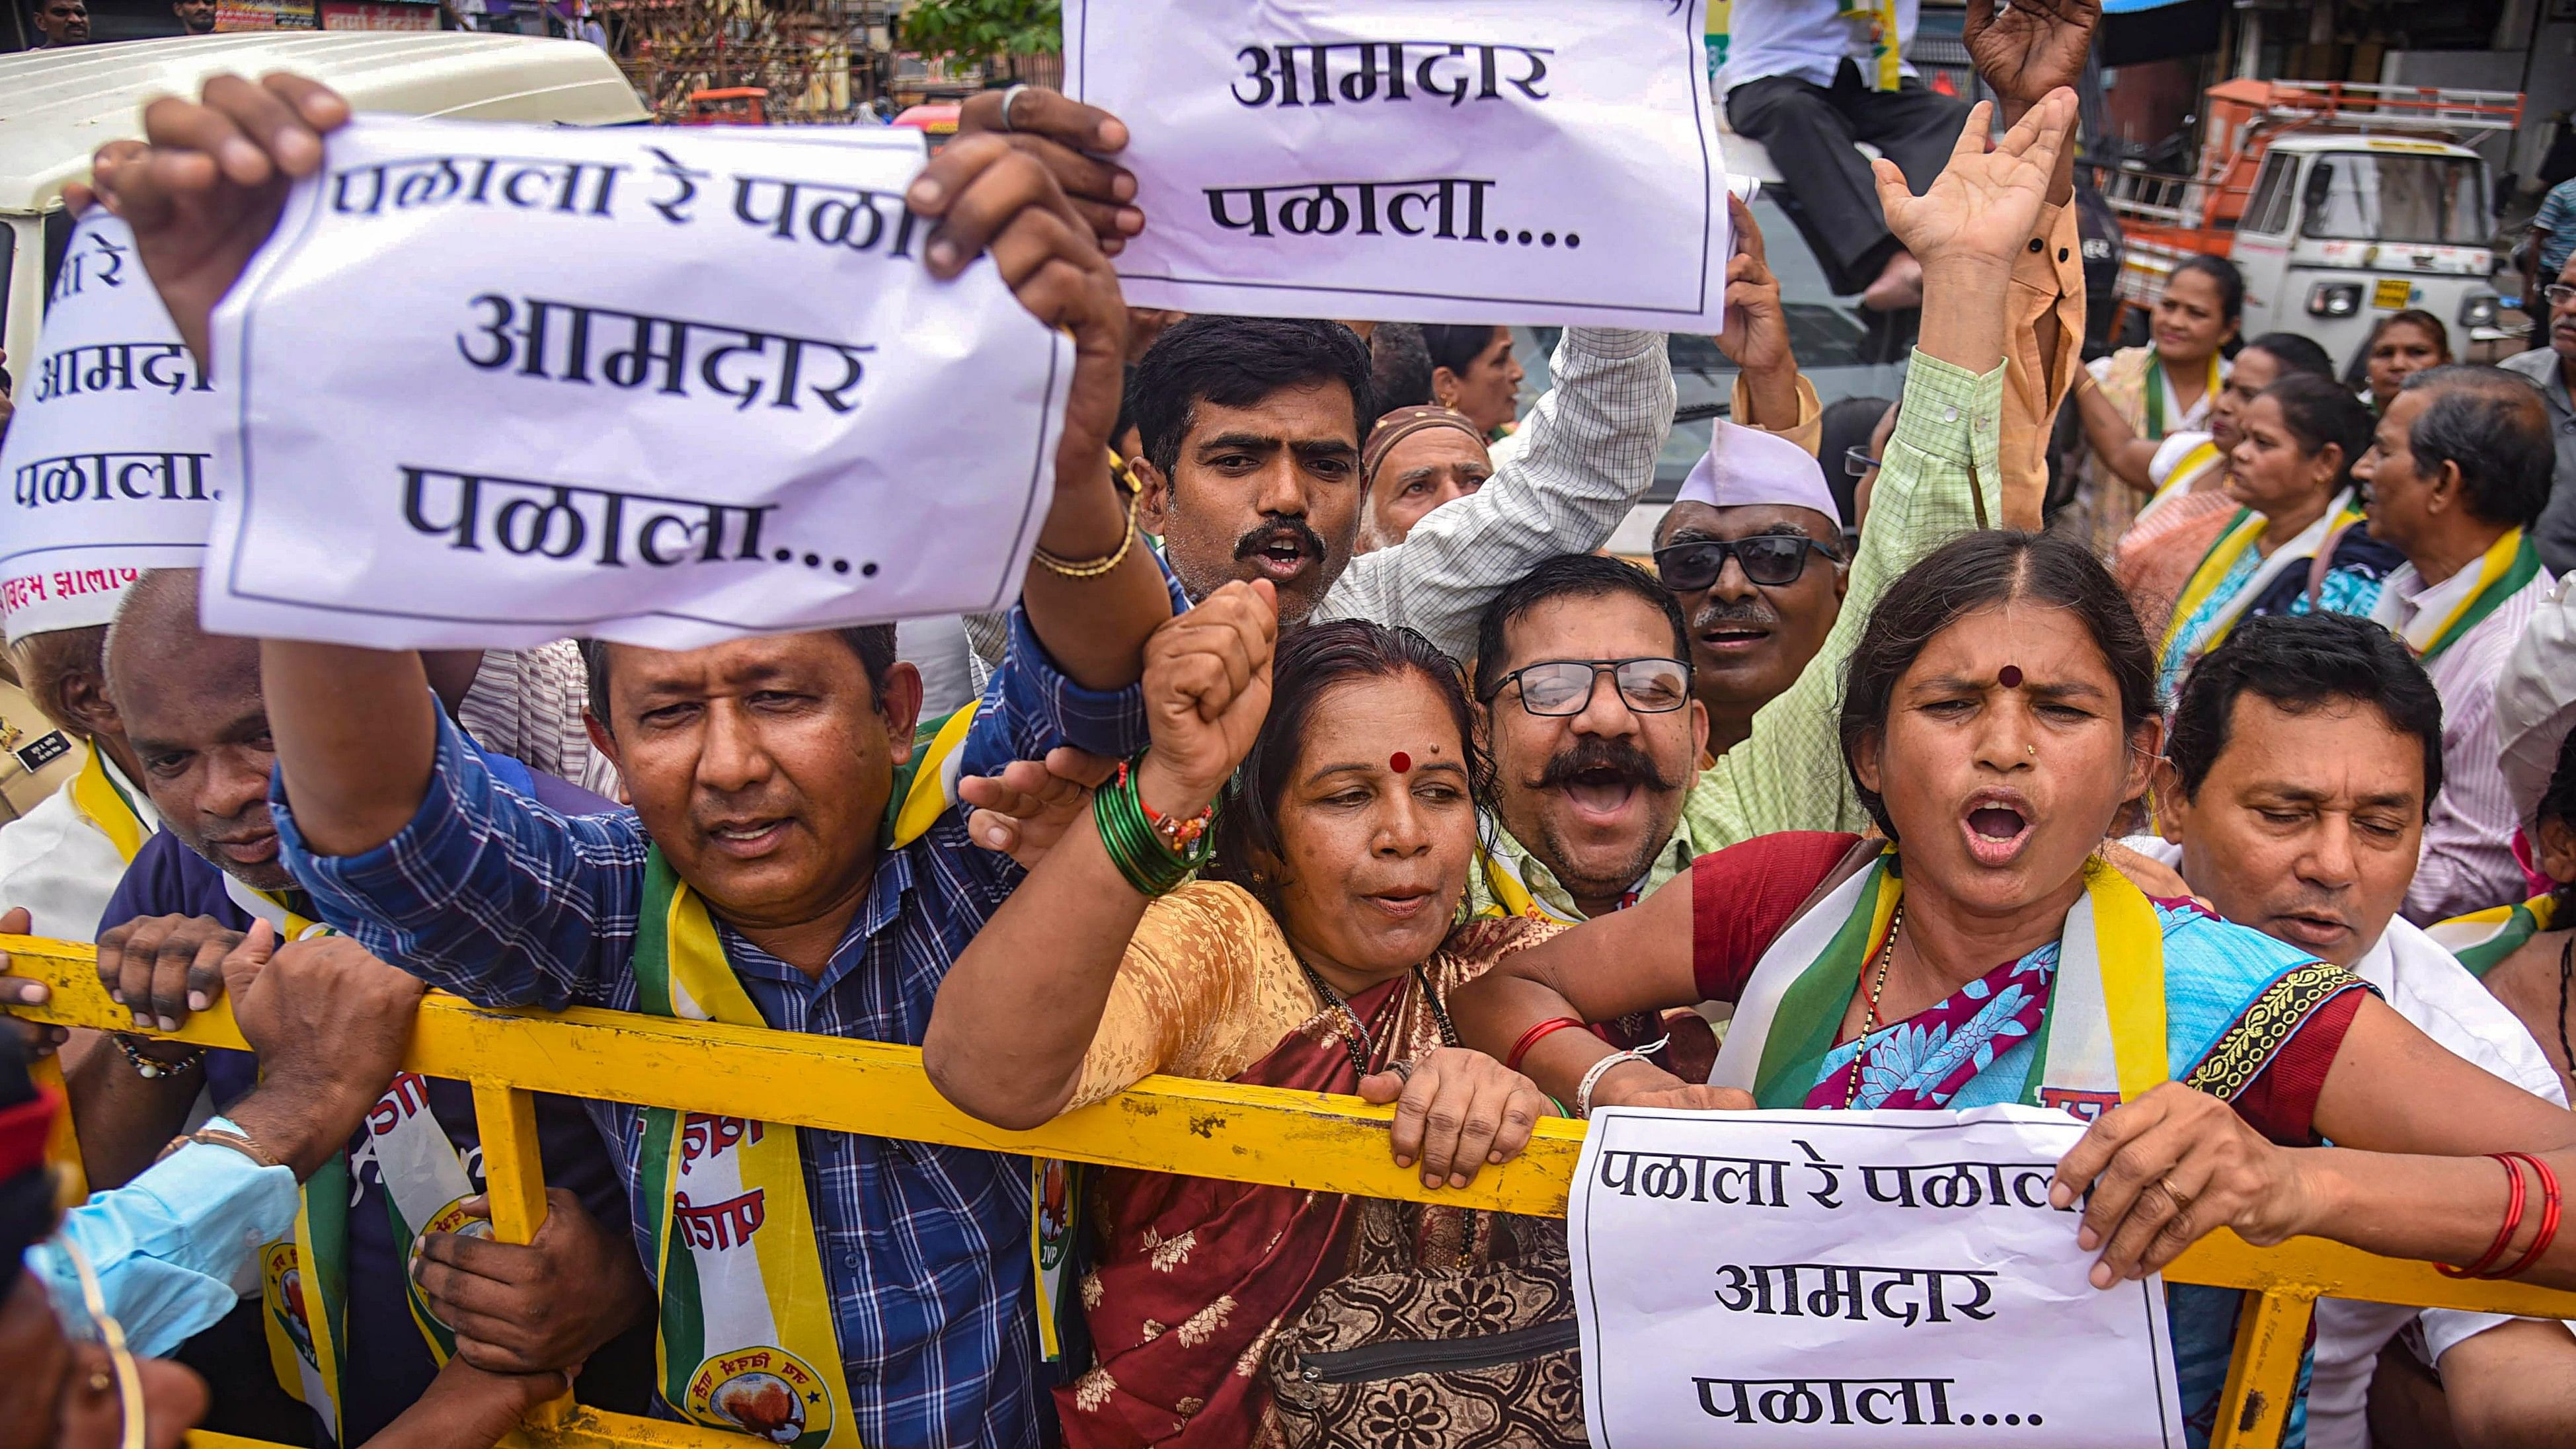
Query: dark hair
1457 347
2295 353
873 643
1310 662
2558 802
1235 362
1399 369
1568 576
1976 571
1847 424
2495 426
2356 373
2317 411
2221 271
2300 662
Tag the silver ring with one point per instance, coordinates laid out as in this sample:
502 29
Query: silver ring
1008 97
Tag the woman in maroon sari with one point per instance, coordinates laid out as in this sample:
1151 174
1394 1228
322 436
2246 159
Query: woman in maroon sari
1314 953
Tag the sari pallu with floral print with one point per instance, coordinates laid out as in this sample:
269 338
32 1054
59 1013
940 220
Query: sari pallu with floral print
1196 1277
2133 993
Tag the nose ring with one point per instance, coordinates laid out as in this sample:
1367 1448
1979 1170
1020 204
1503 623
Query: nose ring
2034 751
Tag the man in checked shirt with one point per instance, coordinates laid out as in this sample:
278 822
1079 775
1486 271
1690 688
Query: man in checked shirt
759 772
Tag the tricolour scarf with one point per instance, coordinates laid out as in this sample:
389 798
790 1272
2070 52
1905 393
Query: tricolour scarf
2483 939
748 1339
2243 533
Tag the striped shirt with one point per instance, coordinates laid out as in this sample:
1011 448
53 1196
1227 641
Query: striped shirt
2468 861
507 903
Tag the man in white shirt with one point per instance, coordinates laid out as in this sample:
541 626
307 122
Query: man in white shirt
1808 79
2458 472
2304 755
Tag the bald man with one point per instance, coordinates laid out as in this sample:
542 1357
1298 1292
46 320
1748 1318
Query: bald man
193 709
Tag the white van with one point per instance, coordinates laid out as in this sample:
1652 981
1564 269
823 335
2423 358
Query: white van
57 107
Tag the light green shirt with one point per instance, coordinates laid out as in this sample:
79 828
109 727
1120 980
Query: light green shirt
1788 774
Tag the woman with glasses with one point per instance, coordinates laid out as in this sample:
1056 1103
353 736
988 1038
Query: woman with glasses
2000 714
1313 951
2293 545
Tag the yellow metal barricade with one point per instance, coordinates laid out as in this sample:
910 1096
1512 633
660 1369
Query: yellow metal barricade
1166 1124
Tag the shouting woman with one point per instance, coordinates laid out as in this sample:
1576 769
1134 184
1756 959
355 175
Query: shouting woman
1315 952
2000 712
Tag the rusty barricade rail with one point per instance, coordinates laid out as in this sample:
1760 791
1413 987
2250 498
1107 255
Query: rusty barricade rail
1165 1124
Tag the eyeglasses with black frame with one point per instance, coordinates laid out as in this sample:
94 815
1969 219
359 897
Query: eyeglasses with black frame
1769 559
1556 688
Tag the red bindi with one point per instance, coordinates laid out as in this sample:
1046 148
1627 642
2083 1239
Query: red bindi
2010 678
1399 762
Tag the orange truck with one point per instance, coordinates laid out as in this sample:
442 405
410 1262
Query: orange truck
2340 203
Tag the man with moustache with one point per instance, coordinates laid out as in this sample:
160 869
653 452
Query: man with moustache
196 17
2553 368
1585 705
60 23
2305 756
1752 552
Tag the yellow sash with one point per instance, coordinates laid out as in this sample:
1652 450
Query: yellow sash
1884 44
2188 469
103 803
748 1339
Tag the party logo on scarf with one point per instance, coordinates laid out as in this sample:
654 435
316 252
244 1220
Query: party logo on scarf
277 1269
765 1391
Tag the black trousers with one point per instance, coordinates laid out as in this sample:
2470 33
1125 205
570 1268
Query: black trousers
1810 129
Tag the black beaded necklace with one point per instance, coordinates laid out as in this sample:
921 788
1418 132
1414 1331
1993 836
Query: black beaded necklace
1362 1050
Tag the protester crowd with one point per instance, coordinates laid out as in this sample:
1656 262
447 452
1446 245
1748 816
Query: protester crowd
1325 748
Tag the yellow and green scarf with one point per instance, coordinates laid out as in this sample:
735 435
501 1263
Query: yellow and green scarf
2510 563
2482 940
100 800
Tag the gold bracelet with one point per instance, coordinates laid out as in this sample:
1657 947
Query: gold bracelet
217 1137
1094 568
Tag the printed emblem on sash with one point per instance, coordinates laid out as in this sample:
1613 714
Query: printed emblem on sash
762 1390
2083 1106
1055 1214
452 1218
285 1284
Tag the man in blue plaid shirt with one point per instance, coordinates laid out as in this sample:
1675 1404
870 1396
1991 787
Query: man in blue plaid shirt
761 770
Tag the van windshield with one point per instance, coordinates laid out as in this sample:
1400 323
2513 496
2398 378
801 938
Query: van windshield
2373 196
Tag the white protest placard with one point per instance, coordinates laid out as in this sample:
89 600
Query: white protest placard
497 384
1478 161
1863 1278
109 458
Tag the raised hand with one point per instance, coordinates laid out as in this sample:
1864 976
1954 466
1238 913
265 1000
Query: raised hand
1207 689
1023 811
1070 139
2032 48
1756 338
1456 1110
1981 208
205 194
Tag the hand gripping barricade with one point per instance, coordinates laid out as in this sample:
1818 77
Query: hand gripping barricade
1207 1129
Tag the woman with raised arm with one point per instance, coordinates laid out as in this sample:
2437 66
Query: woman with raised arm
2000 712
2147 393
1315 952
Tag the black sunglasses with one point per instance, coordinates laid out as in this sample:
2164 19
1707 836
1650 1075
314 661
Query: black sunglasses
1769 559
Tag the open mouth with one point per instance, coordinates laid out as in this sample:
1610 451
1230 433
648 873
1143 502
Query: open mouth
1401 905
1600 794
1997 829
747 837
1733 638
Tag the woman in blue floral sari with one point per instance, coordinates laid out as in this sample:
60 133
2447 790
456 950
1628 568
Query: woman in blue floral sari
2000 712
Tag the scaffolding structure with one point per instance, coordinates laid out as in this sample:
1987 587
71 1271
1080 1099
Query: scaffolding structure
816 59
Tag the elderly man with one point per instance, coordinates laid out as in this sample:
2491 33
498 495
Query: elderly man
749 882
193 709
2458 471
61 860
1583 695
1415 460
2305 754
1752 549
2554 368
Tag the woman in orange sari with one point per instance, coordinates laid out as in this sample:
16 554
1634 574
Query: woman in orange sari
1315 952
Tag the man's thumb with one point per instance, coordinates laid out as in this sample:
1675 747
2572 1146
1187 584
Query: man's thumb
16 922
244 962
